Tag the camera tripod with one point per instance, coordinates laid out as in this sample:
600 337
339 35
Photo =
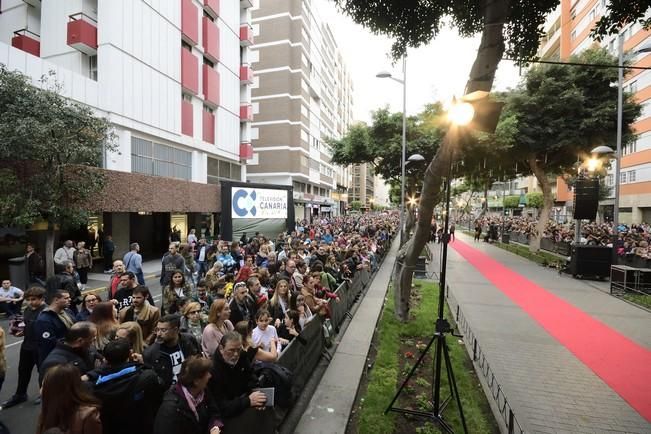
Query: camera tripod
441 351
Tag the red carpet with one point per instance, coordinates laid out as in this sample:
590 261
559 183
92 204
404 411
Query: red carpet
621 363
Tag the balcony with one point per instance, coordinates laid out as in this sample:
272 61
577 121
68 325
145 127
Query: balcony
189 22
208 127
187 127
82 33
246 35
246 151
246 113
189 71
27 41
210 86
212 7
210 39
246 4
246 74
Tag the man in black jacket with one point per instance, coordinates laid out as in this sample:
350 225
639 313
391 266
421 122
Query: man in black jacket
232 386
242 305
64 281
75 349
170 349
28 358
129 391
53 323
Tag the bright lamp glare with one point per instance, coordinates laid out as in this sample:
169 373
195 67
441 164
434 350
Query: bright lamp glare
461 113
412 201
593 164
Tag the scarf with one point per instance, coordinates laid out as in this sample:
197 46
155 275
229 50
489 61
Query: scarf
193 402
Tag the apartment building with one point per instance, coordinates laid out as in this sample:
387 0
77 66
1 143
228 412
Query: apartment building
362 188
302 95
174 79
568 32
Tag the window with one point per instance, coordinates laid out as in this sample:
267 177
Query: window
220 169
573 35
622 178
573 13
631 176
156 159
593 14
610 180
186 46
92 67
208 62
187 97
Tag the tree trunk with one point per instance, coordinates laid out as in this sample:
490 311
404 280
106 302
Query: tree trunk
548 203
49 251
481 77
410 220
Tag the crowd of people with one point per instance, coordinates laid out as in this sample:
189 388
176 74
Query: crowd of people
195 362
632 239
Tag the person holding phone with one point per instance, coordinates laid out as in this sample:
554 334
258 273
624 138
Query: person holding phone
233 385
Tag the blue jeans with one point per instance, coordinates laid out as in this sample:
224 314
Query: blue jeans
201 268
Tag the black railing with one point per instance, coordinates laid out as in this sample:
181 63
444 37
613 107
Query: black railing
479 358
302 358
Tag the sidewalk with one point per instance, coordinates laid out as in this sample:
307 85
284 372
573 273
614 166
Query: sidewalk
569 357
331 404
99 281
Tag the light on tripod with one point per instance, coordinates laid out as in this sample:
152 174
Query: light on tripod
461 113
593 164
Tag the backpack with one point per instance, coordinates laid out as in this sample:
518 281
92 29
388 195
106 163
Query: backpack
17 326
278 377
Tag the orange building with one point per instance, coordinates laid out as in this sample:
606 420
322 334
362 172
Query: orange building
568 32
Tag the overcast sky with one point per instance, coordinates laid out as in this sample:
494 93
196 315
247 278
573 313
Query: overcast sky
435 72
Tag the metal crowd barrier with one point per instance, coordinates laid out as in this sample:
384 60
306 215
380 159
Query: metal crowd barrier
548 244
302 359
478 357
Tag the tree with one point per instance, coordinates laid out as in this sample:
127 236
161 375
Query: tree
559 114
506 26
380 145
511 202
51 149
535 200
356 205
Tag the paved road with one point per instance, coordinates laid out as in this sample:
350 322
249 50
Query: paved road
551 388
22 418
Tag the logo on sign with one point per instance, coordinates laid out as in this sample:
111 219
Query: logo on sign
244 203
258 203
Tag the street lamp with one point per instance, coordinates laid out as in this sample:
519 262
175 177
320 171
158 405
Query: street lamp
386 74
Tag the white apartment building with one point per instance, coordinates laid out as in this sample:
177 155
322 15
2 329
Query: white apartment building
172 76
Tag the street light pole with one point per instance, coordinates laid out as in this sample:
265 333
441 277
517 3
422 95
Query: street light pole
403 162
620 109
404 149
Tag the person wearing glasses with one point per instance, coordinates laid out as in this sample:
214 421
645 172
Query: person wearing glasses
233 386
88 303
170 349
194 320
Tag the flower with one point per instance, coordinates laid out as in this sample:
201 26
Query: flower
409 355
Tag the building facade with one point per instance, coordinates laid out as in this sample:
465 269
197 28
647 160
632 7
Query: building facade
172 76
301 95
362 188
568 32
